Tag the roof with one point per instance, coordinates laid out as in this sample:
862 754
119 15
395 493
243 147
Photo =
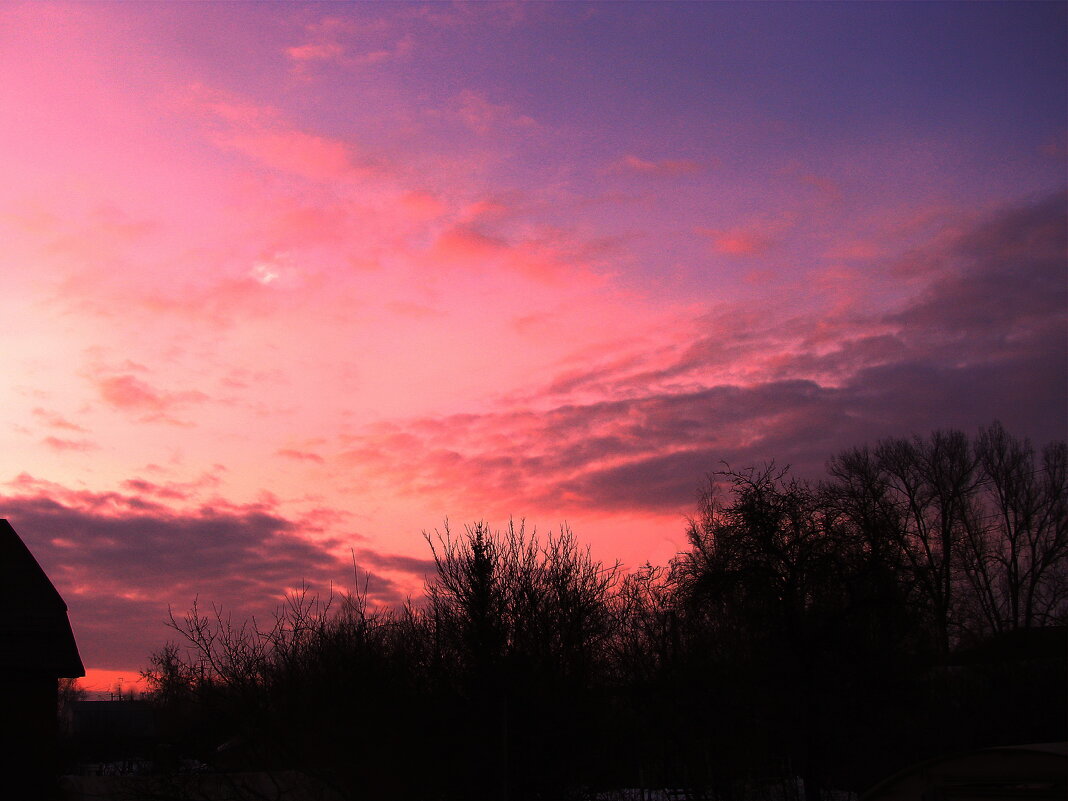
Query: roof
35 634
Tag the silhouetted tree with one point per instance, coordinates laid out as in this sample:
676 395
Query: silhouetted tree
978 531
1015 552
964 539
767 577
524 624
826 632
330 688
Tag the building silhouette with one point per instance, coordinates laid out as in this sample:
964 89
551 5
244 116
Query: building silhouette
37 648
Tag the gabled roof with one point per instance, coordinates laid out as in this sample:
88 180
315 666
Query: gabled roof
35 634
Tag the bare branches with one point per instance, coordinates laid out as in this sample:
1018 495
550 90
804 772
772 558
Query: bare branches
800 619
507 595
979 525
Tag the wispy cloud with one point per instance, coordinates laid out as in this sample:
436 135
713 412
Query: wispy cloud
757 237
127 392
261 133
300 456
805 393
655 167
347 43
58 444
55 420
483 116
321 51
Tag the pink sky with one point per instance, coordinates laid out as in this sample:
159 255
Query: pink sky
282 284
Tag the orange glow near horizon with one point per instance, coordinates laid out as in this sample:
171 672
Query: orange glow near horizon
99 681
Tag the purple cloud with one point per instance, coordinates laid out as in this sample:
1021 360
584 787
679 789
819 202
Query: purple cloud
121 562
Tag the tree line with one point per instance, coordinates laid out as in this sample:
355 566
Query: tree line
813 635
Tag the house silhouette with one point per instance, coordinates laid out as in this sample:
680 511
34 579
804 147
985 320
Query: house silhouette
37 648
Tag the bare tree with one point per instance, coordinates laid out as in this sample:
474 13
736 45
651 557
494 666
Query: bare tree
978 530
1016 537
526 621
765 590
646 623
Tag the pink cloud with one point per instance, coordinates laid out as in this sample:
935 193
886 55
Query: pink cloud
300 456
347 43
546 255
56 420
483 116
474 15
462 244
486 210
296 152
828 188
858 250
638 431
755 238
423 205
130 393
323 51
127 392
58 444
143 487
662 167
414 310
261 133
740 243
227 107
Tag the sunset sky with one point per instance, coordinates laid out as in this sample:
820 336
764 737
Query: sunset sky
286 284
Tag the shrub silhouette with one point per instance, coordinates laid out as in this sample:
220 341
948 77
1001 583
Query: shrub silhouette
829 632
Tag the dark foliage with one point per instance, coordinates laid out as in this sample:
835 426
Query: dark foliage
910 605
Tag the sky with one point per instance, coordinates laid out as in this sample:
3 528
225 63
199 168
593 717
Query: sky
285 285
